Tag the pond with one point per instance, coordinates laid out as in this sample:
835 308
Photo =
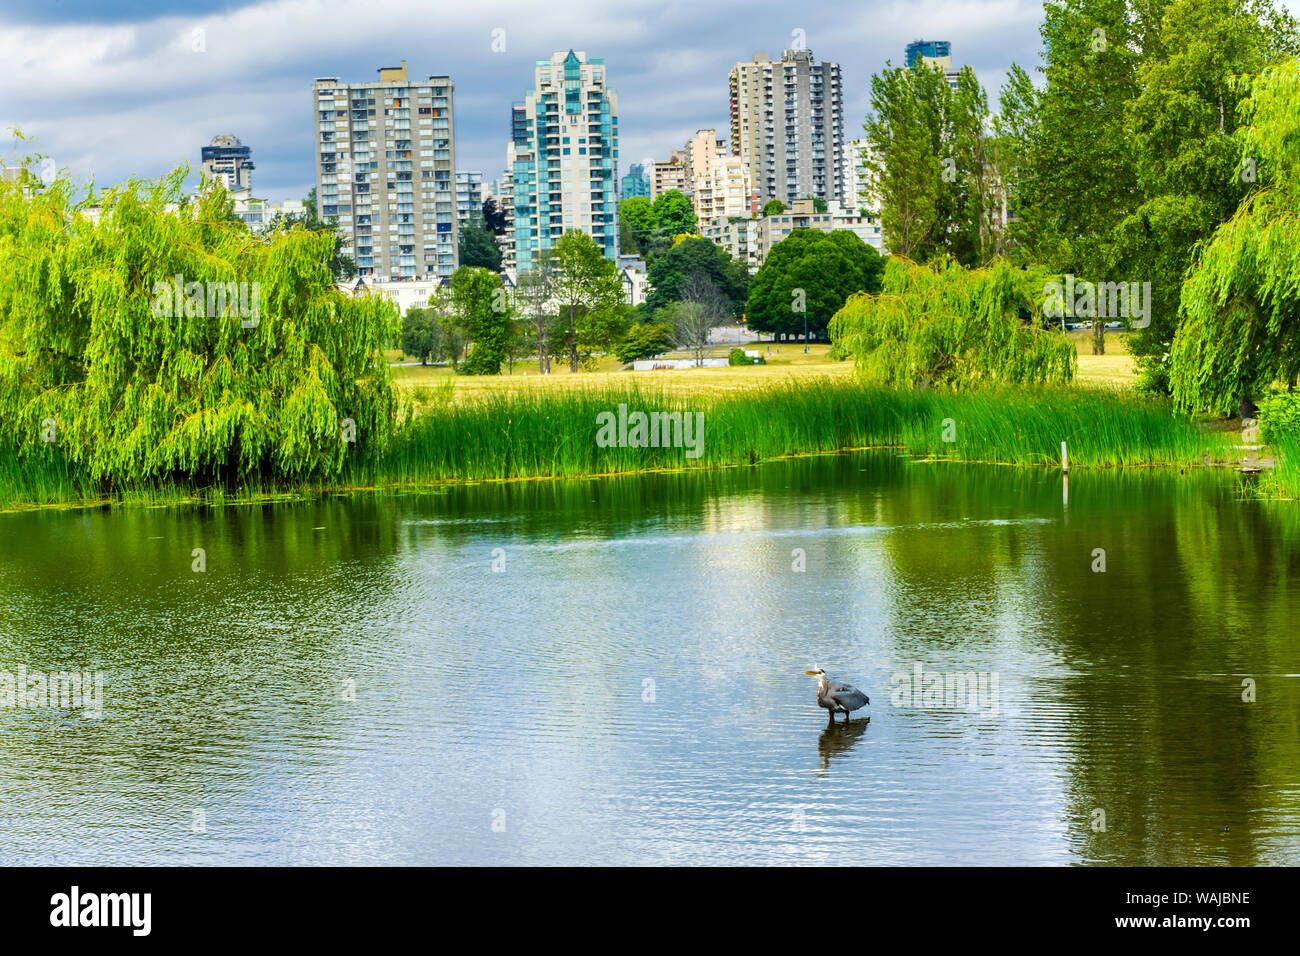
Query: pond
611 671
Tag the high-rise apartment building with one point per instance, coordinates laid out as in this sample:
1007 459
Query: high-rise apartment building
722 189
787 124
563 158
673 174
936 52
859 183
702 149
469 195
229 160
933 53
635 183
386 167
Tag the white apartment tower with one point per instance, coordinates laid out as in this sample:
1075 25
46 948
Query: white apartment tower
386 167
787 124
858 182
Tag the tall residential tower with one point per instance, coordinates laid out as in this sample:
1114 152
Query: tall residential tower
386 167
787 125
228 159
563 158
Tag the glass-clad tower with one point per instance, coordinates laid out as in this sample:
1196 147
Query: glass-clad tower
563 158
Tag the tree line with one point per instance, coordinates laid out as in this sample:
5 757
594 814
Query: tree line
1158 146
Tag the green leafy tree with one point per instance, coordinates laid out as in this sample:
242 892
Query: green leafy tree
637 216
485 312
819 204
693 317
669 272
809 275
125 348
944 325
933 163
674 214
1182 125
342 265
644 340
1015 132
904 155
478 247
494 215
454 336
421 335
534 292
589 293
1240 327
1082 158
773 207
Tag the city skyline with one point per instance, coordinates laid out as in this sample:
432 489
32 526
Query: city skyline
100 119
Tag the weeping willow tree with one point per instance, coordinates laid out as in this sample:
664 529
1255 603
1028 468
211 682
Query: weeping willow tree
944 325
1240 306
162 339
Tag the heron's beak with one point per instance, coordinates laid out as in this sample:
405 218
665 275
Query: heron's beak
811 673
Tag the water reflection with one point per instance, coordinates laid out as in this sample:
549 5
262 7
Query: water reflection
328 690
838 739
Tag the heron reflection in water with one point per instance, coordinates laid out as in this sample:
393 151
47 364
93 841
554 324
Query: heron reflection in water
839 738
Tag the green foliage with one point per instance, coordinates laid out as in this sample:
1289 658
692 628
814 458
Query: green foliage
811 270
129 392
1182 125
651 225
1016 128
1081 156
478 247
480 302
948 326
932 162
551 432
494 216
421 335
1283 480
674 213
695 255
644 340
738 357
773 207
1279 415
341 264
638 217
588 292
1240 328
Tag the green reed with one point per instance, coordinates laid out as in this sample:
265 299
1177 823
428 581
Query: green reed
534 433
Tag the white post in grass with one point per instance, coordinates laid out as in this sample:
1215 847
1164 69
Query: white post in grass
1065 460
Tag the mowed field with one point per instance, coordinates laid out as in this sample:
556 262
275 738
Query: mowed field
785 362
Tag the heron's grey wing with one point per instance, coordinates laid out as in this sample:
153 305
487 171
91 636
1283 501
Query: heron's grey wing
846 695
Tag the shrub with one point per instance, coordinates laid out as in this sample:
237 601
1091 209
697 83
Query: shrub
1279 415
643 341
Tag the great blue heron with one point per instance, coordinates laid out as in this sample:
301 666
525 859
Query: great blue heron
836 696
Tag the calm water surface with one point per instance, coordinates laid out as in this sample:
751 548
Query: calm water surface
351 681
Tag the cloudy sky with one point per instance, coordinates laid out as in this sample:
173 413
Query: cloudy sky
114 89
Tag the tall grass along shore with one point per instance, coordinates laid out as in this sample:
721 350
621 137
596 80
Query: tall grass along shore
537 433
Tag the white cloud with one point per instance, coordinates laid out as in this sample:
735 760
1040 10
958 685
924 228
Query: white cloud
132 97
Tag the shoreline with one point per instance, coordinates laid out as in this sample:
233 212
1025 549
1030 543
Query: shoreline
194 497
513 436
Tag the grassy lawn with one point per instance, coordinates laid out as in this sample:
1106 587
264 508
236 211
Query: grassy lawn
786 362
1115 369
